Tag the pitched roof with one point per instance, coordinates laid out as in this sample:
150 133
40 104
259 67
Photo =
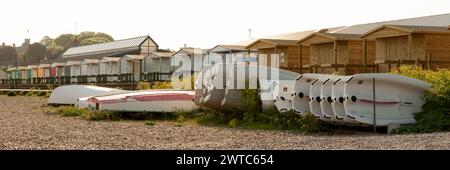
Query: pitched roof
160 54
31 66
70 63
227 48
44 65
57 64
89 61
133 57
110 59
108 47
442 20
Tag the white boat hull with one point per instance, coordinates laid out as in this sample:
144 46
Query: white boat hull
145 101
68 95
397 98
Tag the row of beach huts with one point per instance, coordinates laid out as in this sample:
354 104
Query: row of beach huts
372 47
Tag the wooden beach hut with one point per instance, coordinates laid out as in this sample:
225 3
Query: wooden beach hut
57 69
110 67
73 69
336 52
90 69
195 55
32 71
161 63
291 56
231 54
43 70
423 46
131 65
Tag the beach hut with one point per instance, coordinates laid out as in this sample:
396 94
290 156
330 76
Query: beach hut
231 54
10 71
195 55
109 67
44 70
131 65
90 68
335 52
72 69
3 75
160 63
423 46
291 56
57 69
31 71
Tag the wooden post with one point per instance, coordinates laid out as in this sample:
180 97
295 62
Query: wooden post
410 48
365 55
300 60
428 61
335 53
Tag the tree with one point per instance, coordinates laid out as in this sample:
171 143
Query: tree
89 37
85 35
64 39
94 40
46 41
106 36
8 55
54 50
35 53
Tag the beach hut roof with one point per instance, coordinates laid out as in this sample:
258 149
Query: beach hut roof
228 48
57 64
110 59
11 69
72 63
32 66
133 57
90 61
160 54
411 29
442 20
44 65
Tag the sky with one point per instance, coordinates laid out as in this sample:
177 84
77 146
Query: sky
197 23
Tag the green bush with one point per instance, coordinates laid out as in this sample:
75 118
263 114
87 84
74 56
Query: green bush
435 115
11 93
70 111
149 123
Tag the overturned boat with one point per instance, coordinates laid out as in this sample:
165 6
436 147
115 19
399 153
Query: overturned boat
395 98
145 101
69 95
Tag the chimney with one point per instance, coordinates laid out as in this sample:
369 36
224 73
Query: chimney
3 44
14 45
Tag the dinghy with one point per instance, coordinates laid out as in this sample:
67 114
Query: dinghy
68 95
397 98
300 97
145 101
337 91
327 99
314 95
285 85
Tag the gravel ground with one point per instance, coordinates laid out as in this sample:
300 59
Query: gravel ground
24 126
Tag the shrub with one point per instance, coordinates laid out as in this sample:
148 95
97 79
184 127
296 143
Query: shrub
143 86
149 123
161 85
70 111
11 93
435 115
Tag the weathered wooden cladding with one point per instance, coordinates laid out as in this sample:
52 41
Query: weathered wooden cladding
421 46
333 53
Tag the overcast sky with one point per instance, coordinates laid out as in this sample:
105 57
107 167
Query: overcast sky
198 23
